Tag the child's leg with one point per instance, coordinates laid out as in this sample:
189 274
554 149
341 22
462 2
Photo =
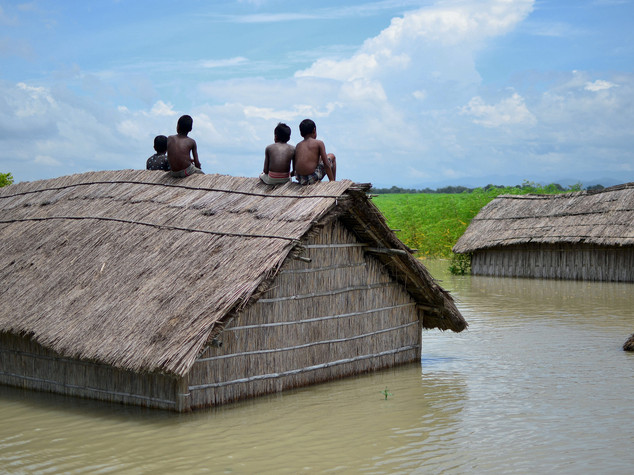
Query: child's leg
333 164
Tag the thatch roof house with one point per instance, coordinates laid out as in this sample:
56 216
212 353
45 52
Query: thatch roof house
586 235
135 287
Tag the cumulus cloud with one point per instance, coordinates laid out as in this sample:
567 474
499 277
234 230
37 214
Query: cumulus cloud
509 111
599 85
422 39
160 108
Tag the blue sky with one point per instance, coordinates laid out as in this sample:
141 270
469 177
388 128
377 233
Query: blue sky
407 93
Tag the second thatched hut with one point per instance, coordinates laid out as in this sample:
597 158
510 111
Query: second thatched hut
586 235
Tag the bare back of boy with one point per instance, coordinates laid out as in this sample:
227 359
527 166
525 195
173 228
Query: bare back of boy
278 157
307 156
179 148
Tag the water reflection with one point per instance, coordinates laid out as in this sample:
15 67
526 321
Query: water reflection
537 384
346 425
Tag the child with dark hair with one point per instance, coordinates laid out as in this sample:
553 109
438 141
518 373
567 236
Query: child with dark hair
312 162
179 147
278 157
158 161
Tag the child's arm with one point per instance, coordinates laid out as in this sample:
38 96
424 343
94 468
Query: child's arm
195 154
326 161
266 161
293 163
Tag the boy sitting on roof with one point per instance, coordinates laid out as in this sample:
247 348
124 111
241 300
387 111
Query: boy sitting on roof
311 161
158 161
179 147
278 157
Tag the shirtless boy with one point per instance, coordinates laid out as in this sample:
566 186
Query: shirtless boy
178 150
311 161
278 157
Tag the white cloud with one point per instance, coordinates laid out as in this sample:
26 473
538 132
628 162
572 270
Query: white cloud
34 101
363 90
223 63
509 111
274 17
47 161
298 111
160 108
431 49
599 85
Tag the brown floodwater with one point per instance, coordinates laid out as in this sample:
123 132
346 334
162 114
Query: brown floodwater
537 384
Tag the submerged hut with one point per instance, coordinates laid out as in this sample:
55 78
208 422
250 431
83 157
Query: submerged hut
134 287
586 235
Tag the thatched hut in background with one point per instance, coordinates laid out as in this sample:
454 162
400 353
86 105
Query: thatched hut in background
586 235
135 287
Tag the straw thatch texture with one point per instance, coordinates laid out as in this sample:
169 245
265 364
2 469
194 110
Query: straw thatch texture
134 269
28 365
603 218
337 315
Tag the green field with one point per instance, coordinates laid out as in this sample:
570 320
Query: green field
433 222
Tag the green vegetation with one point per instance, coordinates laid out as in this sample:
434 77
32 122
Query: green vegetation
460 264
433 222
5 179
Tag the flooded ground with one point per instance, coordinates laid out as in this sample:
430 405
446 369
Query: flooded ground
537 384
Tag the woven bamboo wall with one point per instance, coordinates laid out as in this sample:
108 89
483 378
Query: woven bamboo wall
338 315
28 365
572 262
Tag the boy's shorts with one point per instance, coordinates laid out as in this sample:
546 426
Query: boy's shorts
272 179
317 175
190 170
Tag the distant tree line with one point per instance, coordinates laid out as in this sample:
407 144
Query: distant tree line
525 187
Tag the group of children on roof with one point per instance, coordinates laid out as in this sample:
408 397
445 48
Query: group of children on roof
308 161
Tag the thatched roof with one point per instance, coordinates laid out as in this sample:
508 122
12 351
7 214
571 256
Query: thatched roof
604 218
133 268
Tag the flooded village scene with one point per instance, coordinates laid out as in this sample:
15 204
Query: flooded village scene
257 236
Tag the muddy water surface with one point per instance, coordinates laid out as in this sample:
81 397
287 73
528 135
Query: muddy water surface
537 384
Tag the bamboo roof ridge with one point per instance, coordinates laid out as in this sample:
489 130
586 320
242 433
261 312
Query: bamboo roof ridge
134 268
604 218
